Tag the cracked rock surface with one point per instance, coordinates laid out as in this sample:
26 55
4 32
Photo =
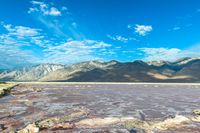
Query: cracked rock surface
32 108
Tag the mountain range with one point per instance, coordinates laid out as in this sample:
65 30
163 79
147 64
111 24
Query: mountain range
182 70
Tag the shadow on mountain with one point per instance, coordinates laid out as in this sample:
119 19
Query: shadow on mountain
183 70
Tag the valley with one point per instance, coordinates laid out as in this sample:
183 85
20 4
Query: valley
100 107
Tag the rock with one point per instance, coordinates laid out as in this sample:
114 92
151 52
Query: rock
2 127
28 103
47 123
196 112
1 92
74 116
97 122
128 122
196 118
64 126
143 126
133 131
5 88
171 122
137 124
37 89
141 115
131 124
51 122
31 128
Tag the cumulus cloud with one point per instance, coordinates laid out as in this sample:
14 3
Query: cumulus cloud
45 9
47 14
143 30
14 40
22 36
21 30
18 43
169 54
54 12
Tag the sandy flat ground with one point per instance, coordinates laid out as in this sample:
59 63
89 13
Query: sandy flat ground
29 102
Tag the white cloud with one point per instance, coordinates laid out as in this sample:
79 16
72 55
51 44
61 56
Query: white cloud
14 43
169 54
12 56
54 12
74 51
45 9
59 28
17 43
22 36
21 30
120 38
176 28
64 8
129 26
32 9
11 52
142 30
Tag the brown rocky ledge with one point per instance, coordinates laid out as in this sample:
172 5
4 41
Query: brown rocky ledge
82 120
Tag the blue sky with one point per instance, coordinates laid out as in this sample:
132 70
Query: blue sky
71 31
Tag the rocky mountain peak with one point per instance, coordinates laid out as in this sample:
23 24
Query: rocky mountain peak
157 62
183 70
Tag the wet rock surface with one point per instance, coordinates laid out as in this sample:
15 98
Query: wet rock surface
100 108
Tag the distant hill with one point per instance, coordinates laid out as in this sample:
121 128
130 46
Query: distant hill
183 70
